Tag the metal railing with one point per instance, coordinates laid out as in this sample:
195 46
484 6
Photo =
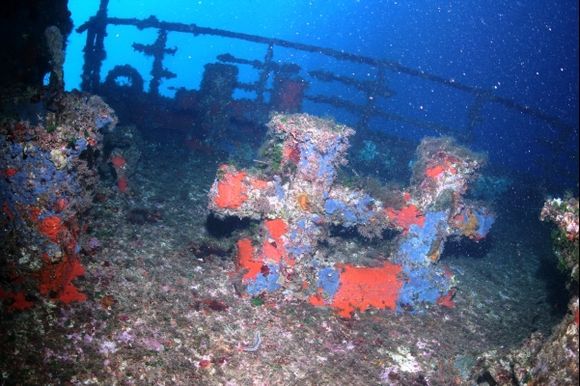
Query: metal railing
94 54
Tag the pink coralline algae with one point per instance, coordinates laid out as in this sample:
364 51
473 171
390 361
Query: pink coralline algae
564 213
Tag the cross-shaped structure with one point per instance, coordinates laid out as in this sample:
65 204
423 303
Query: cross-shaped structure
298 200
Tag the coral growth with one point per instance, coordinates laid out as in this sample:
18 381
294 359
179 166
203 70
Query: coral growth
360 288
231 193
56 280
564 213
297 198
15 301
50 176
406 216
51 227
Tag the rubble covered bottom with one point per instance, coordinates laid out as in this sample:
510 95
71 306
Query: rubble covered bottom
162 306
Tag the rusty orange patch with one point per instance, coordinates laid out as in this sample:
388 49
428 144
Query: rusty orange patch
364 287
246 259
231 192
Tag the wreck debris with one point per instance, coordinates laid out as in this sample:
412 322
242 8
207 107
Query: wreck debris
297 198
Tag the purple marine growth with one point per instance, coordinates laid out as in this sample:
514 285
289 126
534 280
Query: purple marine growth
47 181
298 200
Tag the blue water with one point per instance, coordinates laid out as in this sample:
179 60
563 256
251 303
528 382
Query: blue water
525 51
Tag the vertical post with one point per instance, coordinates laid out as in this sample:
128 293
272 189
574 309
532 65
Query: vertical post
157 50
371 92
474 118
94 51
266 69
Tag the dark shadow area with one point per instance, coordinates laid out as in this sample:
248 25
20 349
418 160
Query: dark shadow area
350 233
141 216
224 227
554 279
468 248
208 250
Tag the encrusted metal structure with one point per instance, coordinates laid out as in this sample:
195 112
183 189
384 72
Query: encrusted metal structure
299 199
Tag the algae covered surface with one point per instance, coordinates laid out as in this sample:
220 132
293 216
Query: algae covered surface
163 307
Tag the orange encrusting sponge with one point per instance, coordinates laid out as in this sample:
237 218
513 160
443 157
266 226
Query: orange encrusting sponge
51 227
231 192
406 216
246 260
364 287
57 278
